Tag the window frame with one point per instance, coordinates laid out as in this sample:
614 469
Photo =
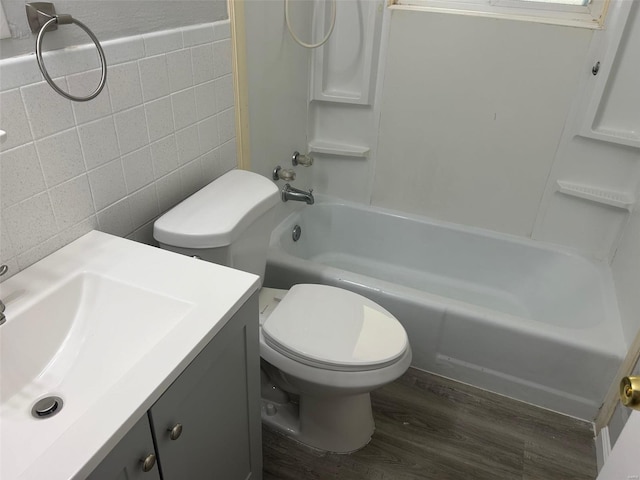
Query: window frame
588 16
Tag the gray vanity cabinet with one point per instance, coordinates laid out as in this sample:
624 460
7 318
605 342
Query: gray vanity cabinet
206 425
216 401
127 458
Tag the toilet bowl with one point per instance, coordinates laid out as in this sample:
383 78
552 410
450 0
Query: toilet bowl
331 348
323 349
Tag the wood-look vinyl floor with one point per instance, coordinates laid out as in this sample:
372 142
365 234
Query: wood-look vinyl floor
428 427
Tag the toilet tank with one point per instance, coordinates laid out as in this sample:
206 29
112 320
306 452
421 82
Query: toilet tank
228 222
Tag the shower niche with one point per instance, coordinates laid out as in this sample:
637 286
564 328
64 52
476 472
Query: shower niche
343 69
342 77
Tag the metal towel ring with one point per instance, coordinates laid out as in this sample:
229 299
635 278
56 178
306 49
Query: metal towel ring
64 20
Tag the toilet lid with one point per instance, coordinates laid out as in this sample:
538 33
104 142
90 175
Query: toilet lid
333 328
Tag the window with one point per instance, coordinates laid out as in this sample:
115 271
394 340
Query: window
562 2
577 13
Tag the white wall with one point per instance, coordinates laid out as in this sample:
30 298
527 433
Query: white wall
108 19
161 129
278 71
471 119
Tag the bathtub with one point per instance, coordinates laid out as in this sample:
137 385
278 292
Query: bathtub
512 316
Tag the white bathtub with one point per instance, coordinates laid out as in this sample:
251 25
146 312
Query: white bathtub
512 316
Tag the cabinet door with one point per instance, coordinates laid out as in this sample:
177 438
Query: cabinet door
125 461
217 402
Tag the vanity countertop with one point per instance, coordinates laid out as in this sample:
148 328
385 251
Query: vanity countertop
121 321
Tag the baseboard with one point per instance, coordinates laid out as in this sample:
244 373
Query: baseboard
603 447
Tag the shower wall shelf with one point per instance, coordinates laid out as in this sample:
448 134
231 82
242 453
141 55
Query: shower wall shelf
341 149
629 139
623 200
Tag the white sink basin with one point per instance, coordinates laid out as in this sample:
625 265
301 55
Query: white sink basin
106 325
60 341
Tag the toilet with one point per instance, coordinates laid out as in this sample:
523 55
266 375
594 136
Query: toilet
323 349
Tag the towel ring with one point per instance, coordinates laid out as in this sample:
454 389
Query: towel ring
63 19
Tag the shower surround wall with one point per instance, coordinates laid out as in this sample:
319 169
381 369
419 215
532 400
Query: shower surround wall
476 121
162 128
461 126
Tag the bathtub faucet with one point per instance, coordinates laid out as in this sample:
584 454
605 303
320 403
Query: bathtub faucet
290 193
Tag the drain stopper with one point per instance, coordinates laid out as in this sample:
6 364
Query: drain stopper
46 407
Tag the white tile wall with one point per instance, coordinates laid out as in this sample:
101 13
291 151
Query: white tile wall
206 99
164 155
198 35
124 86
180 69
99 142
154 77
160 117
132 129
64 157
202 59
138 168
13 108
187 143
184 108
161 129
83 84
47 113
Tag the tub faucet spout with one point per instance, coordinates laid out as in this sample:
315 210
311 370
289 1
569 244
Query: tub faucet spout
291 193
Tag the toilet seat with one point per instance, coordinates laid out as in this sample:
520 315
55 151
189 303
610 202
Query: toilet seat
334 329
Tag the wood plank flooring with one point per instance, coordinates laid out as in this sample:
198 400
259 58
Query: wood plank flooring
428 427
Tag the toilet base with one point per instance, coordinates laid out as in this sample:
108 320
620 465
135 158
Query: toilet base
340 424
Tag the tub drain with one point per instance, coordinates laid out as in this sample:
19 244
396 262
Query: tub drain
296 232
46 407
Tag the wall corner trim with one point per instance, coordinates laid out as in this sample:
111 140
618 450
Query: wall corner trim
240 82
603 447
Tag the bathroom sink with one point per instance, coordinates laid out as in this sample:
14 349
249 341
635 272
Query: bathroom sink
104 325
60 341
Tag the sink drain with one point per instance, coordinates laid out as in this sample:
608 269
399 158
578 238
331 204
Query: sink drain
46 407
